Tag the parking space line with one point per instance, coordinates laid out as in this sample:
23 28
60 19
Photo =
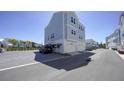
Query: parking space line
30 64
17 66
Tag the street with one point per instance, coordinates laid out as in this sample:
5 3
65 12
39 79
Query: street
105 65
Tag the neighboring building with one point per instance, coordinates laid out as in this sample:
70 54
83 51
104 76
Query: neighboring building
1 44
4 43
23 45
91 44
113 40
65 31
121 23
117 37
37 45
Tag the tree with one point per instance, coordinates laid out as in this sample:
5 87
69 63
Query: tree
28 43
13 41
102 45
21 42
33 44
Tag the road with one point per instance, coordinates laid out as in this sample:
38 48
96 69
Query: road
105 65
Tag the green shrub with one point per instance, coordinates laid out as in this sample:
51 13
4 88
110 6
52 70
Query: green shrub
21 49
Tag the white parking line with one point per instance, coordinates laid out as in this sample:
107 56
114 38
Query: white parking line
18 66
29 64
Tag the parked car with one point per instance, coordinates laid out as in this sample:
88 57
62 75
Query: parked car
114 48
46 49
1 50
120 49
90 48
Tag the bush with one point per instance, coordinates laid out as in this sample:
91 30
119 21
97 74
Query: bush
21 49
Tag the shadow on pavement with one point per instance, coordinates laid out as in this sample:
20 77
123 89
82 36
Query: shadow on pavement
39 57
68 63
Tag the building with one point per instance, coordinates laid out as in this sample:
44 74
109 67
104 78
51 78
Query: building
66 32
113 40
117 37
4 43
121 23
91 44
1 44
37 45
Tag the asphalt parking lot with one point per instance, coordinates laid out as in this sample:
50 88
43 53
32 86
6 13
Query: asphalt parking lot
16 58
31 65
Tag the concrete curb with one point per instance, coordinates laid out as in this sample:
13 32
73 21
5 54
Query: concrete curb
121 55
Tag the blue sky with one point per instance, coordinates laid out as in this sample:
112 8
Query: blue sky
30 25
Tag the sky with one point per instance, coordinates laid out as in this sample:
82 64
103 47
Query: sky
25 25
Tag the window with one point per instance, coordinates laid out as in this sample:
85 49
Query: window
72 19
79 26
71 31
52 35
74 32
48 37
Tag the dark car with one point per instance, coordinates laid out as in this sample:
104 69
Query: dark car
46 49
120 49
114 48
1 50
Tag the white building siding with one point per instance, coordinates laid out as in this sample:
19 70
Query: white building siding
122 28
62 27
55 26
117 38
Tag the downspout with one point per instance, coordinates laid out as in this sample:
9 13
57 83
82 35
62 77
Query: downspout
63 31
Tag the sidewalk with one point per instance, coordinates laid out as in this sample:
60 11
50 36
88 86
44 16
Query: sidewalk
121 55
